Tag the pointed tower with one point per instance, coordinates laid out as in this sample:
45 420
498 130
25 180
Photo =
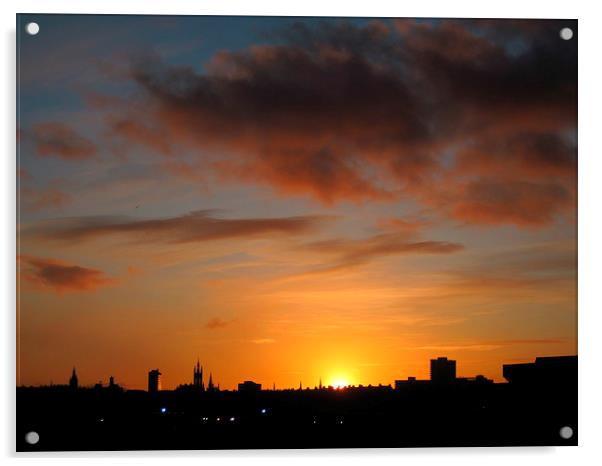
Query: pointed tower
320 386
73 380
300 385
210 386
195 377
197 381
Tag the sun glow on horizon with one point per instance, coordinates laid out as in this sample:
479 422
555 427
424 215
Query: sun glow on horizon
340 383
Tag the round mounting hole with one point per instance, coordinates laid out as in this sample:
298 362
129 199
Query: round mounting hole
566 432
32 437
32 28
566 33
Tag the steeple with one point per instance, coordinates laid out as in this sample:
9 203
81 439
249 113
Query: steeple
320 386
73 380
210 386
197 379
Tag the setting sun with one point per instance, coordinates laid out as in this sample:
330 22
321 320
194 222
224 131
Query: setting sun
340 383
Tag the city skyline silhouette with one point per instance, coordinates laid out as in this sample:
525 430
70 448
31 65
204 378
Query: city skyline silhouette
442 370
536 406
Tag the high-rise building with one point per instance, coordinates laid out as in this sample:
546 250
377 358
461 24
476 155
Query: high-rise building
154 381
73 383
443 370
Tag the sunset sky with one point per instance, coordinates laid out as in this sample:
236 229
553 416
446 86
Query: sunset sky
290 199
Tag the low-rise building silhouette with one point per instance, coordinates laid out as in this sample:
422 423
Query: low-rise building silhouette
249 387
410 382
552 369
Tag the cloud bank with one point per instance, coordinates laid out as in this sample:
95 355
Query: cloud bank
474 118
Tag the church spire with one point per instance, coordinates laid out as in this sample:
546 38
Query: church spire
73 382
198 375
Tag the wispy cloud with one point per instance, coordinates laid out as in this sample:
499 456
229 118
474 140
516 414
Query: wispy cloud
36 199
53 139
490 345
189 228
349 253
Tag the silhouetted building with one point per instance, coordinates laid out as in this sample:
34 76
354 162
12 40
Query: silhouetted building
111 382
210 386
545 370
410 382
443 370
249 387
197 380
73 383
154 381
481 379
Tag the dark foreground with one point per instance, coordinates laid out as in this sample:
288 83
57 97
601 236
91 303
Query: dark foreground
412 416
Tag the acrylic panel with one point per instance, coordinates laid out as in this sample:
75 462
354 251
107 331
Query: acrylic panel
279 232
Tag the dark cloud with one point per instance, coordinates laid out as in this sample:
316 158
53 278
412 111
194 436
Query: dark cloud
344 112
54 139
193 227
60 276
535 154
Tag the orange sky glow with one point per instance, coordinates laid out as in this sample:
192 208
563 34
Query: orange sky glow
289 210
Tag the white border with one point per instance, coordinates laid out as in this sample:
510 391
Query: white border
590 225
